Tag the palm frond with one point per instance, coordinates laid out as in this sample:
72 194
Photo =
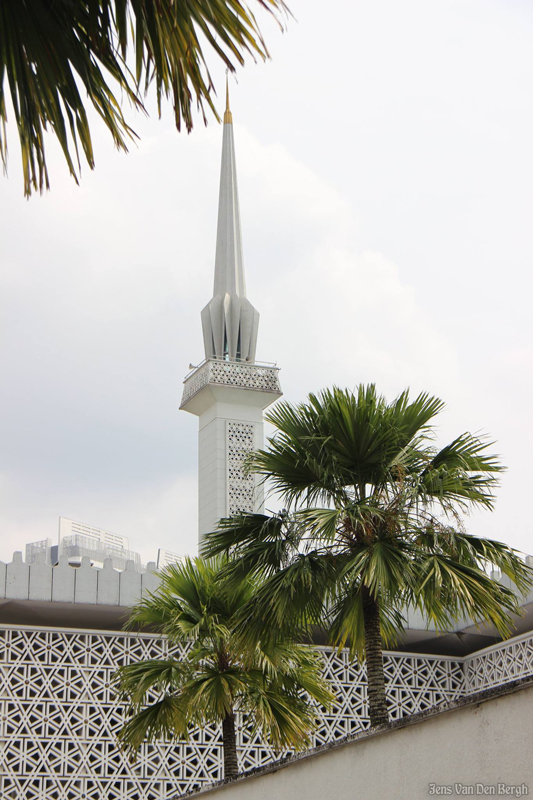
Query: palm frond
476 552
255 542
210 693
134 681
165 719
462 473
289 602
346 621
49 51
446 591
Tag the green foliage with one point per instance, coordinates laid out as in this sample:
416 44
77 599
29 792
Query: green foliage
275 683
372 503
52 54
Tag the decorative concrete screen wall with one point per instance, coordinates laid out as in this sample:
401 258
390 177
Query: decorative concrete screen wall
58 717
231 373
499 664
241 486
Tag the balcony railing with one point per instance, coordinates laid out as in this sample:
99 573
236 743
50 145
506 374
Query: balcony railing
260 376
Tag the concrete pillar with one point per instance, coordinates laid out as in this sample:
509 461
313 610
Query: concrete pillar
63 581
150 580
17 578
130 585
108 585
40 587
86 581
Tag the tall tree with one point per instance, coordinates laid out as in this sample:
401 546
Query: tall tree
276 684
372 526
53 53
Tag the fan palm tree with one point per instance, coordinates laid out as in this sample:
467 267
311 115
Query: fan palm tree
275 685
372 526
53 53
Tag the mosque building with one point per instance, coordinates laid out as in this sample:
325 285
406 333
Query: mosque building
62 608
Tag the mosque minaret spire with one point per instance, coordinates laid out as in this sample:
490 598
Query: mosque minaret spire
229 390
230 322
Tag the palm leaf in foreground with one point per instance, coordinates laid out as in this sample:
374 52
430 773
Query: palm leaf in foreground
52 54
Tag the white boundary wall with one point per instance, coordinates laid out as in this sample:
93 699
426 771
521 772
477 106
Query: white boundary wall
480 749
59 719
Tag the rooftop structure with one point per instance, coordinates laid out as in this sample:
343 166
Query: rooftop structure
165 558
77 541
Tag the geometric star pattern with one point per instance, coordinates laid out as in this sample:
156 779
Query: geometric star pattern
59 719
498 665
241 486
230 373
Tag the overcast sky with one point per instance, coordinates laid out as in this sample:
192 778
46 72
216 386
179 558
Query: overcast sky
386 184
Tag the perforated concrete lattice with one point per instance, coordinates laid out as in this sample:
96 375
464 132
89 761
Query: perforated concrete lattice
241 487
251 376
231 373
59 719
500 664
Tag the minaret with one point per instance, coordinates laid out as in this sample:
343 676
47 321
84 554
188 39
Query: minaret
229 390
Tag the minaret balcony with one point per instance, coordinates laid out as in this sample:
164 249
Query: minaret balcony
259 376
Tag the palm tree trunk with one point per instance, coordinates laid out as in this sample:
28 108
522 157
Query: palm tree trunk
377 700
229 744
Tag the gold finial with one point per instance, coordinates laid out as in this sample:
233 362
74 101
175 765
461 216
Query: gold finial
228 119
